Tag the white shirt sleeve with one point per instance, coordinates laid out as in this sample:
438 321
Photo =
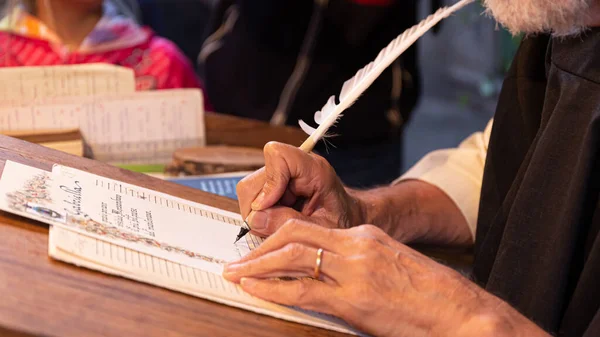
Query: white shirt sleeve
458 172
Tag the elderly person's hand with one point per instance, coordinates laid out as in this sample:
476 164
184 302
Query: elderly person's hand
295 184
298 185
374 283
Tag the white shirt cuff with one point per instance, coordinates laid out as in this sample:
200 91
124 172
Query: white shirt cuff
458 172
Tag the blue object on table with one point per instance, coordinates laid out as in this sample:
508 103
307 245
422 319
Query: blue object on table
224 186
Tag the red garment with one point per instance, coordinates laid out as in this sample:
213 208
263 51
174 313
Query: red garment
156 62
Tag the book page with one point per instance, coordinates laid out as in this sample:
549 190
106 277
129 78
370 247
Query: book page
84 251
34 83
154 223
143 127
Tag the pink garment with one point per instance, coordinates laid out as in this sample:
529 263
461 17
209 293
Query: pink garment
157 62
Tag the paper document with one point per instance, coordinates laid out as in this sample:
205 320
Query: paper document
143 127
141 234
34 83
109 258
150 222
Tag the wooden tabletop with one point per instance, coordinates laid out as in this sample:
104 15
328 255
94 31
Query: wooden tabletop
236 131
43 297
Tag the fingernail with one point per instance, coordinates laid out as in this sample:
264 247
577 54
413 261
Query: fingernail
229 276
230 267
258 201
244 281
258 220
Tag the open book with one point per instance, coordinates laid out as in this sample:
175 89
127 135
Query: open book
140 234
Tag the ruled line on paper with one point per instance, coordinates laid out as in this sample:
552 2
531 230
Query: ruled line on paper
107 253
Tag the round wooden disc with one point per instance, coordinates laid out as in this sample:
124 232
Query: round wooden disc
216 159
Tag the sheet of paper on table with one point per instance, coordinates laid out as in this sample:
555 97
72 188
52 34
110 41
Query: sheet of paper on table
137 233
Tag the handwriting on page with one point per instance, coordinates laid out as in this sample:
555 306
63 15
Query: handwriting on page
129 219
250 241
150 220
165 201
162 200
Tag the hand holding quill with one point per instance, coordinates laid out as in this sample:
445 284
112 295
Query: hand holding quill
351 91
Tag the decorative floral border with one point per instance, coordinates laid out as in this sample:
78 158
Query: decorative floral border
36 191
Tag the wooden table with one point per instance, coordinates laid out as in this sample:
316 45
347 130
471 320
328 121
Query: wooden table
236 131
43 297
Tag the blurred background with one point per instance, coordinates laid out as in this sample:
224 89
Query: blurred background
462 67
461 64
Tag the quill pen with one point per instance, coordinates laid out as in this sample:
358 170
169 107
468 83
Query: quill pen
354 87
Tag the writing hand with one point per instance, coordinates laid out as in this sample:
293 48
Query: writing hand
295 185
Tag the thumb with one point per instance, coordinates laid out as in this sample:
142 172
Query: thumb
268 221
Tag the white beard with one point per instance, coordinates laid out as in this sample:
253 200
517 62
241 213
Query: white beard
561 17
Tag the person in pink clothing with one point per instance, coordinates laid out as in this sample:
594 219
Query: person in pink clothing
58 32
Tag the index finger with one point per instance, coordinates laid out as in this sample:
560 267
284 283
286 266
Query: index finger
247 190
284 164
307 233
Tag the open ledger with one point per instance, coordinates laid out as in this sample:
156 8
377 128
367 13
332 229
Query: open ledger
140 234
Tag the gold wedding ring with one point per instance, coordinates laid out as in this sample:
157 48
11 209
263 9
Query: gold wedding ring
317 272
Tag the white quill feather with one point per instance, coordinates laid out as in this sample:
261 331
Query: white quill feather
354 87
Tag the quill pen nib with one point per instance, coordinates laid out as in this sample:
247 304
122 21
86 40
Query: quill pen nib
242 233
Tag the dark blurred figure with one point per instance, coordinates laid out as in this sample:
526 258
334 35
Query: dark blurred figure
181 21
280 61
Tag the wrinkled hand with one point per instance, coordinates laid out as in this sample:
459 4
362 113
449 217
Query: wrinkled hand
368 279
294 185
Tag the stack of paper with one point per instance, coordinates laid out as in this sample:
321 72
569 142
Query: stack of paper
137 233
32 83
65 140
118 124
